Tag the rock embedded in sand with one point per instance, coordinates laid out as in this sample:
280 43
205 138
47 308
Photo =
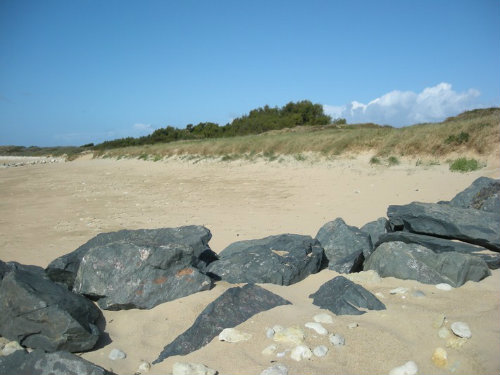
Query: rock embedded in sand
233 335
275 370
270 350
185 368
320 351
116 354
323 318
144 367
337 339
343 297
301 352
444 286
440 357
269 333
282 259
461 329
291 335
317 327
409 368
345 246
399 290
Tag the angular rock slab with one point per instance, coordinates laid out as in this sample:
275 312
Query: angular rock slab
39 313
441 220
441 245
124 275
283 259
483 194
65 268
233 307
376 229
40 363
345 246
415 262
343 297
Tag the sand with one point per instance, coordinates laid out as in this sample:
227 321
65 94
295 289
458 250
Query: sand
47 210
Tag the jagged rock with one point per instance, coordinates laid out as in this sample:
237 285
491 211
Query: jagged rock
343 297
483 194
233 307
415 262
345 246
40 363
39 313
376 228
283 259
441 220
65 268
441 245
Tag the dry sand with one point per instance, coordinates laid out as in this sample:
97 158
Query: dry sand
49 210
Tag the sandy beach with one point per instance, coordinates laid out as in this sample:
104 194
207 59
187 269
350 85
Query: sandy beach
47 210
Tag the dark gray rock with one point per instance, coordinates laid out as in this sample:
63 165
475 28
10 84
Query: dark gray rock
343 297
64 268
345 246
233 307
440 245
416 262
376 228
40 363
124 275
283 259
483 194
39 313
441 220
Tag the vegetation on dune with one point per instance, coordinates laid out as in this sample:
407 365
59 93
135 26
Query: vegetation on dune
465 165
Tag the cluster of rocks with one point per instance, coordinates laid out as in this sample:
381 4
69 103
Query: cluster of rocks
21 161
53 311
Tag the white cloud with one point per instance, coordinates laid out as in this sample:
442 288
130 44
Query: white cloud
399 108
143 129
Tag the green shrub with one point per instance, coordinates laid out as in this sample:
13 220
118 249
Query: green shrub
464 165
374 160
458 139
393 160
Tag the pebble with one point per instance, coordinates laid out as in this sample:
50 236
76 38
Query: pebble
444 286
418 294
11 347
292 335
439 321
282 354
440 357
117 354
317 327
269 333
278 328
183 368
444 333
409 368
144 367
337 339
323 318
301 352
233 335
275 370
461 329
380 295
399 290
352 325
320 351
270 350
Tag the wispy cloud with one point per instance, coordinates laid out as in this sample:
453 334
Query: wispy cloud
399 108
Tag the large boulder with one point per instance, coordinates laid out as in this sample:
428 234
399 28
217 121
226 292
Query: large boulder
483 194
416 262
343 297
124 275
283 259
40 363
376 228
39 313
233 307
65 268
441 245
441 220
345 246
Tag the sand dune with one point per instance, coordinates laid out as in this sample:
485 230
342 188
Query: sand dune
51 209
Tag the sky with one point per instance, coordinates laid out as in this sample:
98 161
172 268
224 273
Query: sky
81 71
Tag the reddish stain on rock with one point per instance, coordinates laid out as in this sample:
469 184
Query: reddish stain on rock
160 280
184 272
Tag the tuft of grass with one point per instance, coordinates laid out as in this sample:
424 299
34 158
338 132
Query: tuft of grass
299 157
144 156
458 139
157 158
392 160
464 165
375 160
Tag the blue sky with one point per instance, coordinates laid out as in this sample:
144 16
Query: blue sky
79 71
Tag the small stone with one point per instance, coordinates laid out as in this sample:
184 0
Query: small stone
292 335
184 368
269 333
320 351
275 370
336 339
233 335
439 321
461 329
379 295
440 357
323 318
409 368
278 328
11 347
444 333
418 294
144 367
117 354
399 290
270 350
301 352
317 327
444 286
352 325
282 354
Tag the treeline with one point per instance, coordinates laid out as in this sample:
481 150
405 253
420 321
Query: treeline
257 121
